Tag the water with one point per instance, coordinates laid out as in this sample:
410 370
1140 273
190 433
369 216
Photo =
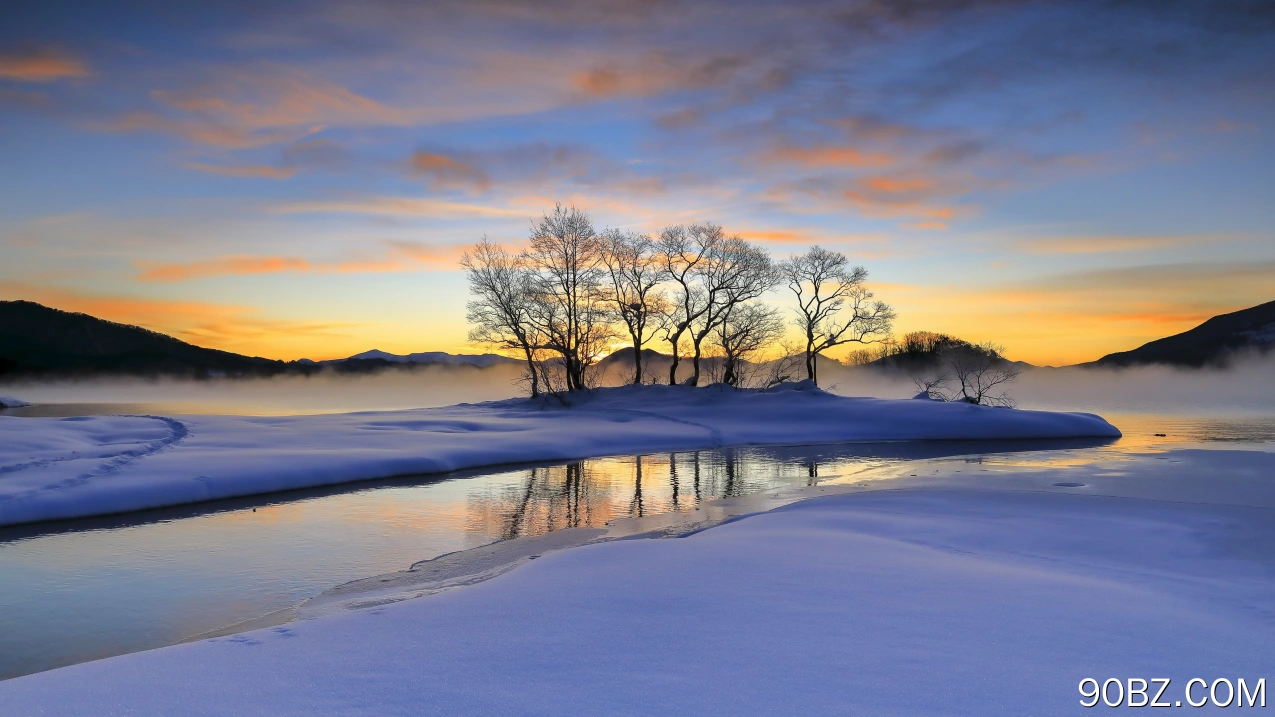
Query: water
88 589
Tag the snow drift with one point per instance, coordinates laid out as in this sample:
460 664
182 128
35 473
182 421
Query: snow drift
885 603
75 467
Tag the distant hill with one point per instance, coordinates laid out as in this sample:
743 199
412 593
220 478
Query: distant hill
430 357
1213 342
38 340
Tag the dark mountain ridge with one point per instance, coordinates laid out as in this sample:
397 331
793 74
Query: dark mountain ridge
1212 343
39 340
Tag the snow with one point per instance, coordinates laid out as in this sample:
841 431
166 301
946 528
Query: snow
11 402
934 602
75 467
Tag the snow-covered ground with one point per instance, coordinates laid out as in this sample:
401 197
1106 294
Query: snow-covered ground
11 402
74 467
904 602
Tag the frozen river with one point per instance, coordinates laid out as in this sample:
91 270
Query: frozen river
81 590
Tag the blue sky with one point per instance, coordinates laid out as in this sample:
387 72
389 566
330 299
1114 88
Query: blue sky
297 179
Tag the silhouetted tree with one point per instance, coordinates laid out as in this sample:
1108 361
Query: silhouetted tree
736 272
635 273
500 312
981 371
684 252
568 307
744 330
833 305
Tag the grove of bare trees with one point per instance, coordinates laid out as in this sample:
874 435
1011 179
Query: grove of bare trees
574 294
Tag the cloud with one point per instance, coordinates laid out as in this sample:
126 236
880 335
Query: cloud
206 132
247 108
273 96
397 207
657 72
804 237
41 65
244 170
447 173
834 156
398 256
1103 244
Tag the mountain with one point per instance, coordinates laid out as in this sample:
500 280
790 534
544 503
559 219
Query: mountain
430 357
36 339
1213 342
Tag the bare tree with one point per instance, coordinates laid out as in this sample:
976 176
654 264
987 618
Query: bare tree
635 272
981 372
833 305
500 312
567 307
736 272
684 253
786 367
934 387
744 330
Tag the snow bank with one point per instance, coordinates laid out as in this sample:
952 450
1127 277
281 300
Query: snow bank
888 603
11 402
76 467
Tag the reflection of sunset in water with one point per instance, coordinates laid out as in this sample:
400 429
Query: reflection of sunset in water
592 493
99 587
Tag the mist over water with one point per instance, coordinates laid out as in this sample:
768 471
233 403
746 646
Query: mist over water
1246 388
287 395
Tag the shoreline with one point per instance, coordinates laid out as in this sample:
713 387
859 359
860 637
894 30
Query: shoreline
1023 554
1166 478
79 467
465 568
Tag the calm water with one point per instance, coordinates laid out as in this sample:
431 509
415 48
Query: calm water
87 589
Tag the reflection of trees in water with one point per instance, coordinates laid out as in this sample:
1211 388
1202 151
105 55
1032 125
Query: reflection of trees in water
594 492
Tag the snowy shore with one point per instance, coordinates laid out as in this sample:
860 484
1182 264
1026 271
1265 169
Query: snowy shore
75 467
933 601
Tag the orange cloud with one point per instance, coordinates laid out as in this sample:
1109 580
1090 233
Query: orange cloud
834 156
657 72
448 173
894 185
44 65
206 132
244 170
803 236
399 207
229 265
241 109
271 96
400 256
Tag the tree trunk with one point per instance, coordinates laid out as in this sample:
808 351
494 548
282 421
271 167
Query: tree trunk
672 371
637 360
694 379
728 372
697 340
531 369
811 358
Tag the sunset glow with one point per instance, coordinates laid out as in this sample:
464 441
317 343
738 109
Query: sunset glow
299 180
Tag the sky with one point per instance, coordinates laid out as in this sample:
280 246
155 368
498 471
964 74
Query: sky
298 179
